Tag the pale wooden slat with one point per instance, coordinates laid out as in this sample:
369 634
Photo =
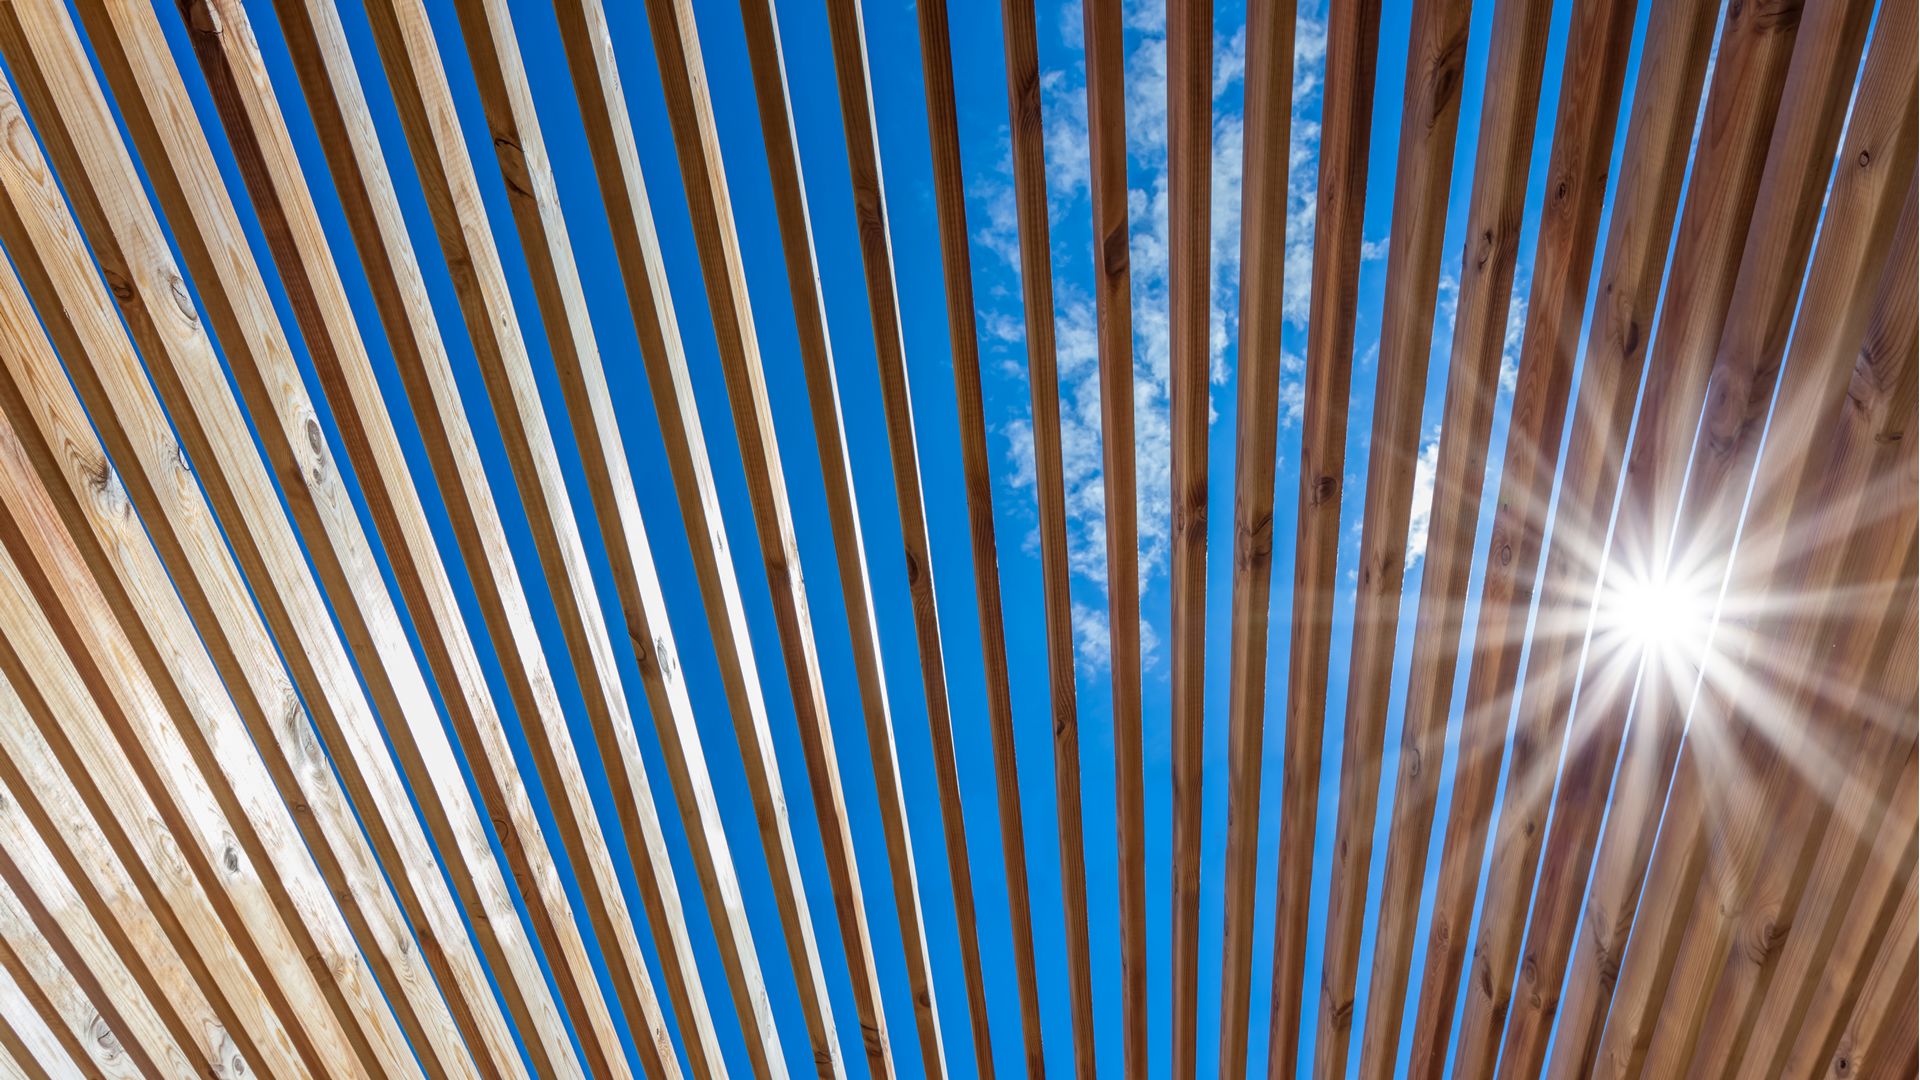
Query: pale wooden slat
1189 194
690 111
133 888
1700 299
977 473
1036 286
1353 45
52 956
616 161
1108 194
768 63
47 249
1267 129
863 149
33 1050
1600 39
1430 119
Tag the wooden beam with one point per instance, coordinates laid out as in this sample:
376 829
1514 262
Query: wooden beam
1430 120
1879 1037
1857 520
1353 45
1028 134
1600 40
977 471
1108 194
76 311
863 152
1265 154
768 63
690 112
1189 75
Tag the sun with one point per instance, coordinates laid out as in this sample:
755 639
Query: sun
1666 620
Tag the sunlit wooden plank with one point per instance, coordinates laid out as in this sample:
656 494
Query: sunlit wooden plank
977 471
1353 45
1878 1042
596 429
1028 133
33 1049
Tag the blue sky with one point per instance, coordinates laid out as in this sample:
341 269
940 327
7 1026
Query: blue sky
894 53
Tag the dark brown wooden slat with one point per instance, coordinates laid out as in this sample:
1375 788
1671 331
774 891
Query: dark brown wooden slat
1600 39
1430 118
977 470
1189 46
1107 191
1036 287
1353 44
1267 128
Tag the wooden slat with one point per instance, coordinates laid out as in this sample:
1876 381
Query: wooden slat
224 41
1028 133
1263 253
72 1032
195 388
1430 119
48 251
1754 52
768 62
977 472
1600 39
1189 75
596 428
1776 246
1107 191
690 111
1855 526
1353 44
36 1052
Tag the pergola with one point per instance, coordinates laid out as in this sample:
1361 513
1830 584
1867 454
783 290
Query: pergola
241 698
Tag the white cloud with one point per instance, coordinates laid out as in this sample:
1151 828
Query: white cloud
1423 475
